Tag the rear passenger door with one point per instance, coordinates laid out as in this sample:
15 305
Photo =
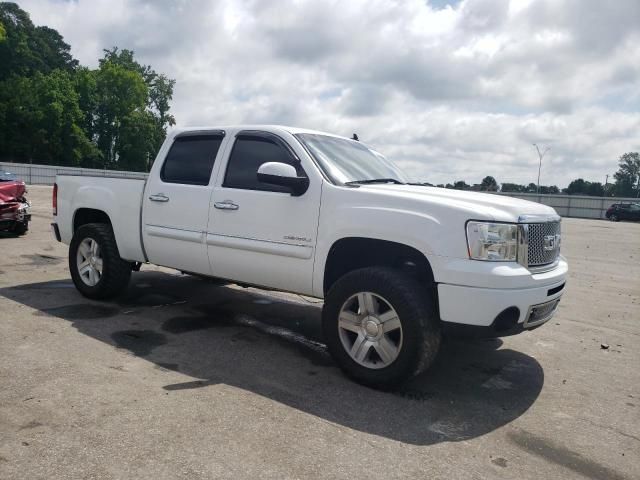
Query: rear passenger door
259 233
176 202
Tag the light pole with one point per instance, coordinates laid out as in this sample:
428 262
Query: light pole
540 155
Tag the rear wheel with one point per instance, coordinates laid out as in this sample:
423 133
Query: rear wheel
380 326
96 268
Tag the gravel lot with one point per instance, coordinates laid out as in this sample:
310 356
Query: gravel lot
182 378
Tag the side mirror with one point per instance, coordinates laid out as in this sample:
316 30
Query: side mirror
284 175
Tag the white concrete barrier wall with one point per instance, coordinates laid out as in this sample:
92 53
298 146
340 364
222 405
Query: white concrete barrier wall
580 206
566 205
34 174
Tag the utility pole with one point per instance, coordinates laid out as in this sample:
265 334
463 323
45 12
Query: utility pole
606 182
540 155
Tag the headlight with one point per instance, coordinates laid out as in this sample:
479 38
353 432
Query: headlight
497 242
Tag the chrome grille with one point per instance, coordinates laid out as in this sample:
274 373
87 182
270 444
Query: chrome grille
544 243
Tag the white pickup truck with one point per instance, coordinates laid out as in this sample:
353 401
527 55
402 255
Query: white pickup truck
398 265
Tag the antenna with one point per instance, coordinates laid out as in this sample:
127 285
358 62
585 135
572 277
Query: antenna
355 137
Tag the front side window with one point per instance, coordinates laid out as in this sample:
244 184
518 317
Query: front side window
190 159
249 152
345 160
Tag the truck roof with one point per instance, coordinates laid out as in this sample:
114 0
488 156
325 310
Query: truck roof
266 128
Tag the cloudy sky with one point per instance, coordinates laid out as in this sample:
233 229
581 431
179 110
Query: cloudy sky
449 89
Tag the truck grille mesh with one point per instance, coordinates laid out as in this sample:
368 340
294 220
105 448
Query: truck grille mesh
544 243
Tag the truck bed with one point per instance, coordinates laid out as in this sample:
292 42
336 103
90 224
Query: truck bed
119 198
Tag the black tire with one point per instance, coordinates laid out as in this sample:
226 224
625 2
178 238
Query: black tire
613 217
115 271
415 307
21 228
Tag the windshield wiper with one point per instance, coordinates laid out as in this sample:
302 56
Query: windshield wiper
375 180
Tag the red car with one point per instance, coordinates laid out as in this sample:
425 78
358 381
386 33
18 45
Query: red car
14 207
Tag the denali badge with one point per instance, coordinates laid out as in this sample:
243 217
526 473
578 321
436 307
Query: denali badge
550 242
297 239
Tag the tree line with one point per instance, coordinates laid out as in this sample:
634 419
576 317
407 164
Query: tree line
55 111
626 183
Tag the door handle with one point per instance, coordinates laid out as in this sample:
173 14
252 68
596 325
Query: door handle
226 205
159 197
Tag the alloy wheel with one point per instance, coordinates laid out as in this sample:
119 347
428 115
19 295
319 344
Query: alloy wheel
370 330
89 261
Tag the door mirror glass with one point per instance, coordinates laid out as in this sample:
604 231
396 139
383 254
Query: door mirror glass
284 175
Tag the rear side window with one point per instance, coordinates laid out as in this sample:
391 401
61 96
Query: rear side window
249 152
190 159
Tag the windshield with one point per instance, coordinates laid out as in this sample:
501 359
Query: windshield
346 161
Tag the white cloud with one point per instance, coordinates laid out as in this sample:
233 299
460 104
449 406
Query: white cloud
453 92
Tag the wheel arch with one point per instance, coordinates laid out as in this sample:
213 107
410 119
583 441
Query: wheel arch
84 215
350 253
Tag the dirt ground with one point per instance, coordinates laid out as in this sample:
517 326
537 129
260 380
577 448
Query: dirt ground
182 378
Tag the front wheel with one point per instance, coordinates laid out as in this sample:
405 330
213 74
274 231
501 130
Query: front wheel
381 327
96 268
614 218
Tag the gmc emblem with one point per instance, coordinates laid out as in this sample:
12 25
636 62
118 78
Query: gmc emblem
550 242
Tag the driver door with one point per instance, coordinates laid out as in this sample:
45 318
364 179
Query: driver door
259 233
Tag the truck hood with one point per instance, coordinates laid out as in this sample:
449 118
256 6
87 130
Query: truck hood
479 206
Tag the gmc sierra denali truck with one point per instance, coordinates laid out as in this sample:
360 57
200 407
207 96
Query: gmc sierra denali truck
398 265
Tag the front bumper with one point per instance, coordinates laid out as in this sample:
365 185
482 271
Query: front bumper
502 311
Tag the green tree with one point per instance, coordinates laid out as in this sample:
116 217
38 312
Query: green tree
41 120
126 107
512 187
576 187
159 86
160 94
136 141
549 189
489 184
628 175
119 93
54 111
461 185
595 189
28 49
86 87
580 186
